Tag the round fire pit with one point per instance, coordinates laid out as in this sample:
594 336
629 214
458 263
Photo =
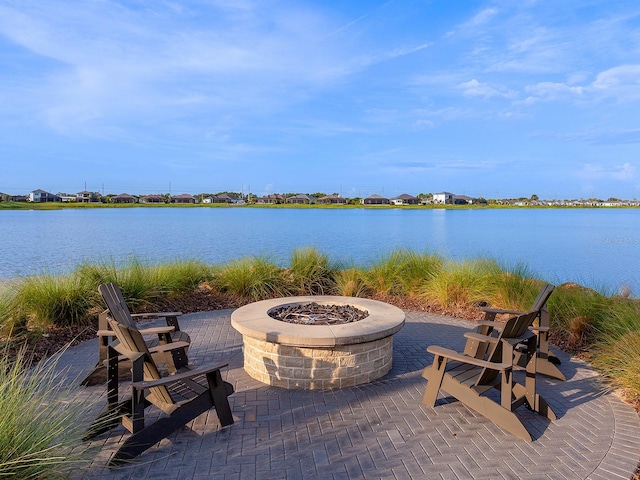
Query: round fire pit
321 354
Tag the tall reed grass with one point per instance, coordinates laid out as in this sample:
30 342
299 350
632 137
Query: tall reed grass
40 427
469 282
142 284
311 272
254 279
402 272
54 300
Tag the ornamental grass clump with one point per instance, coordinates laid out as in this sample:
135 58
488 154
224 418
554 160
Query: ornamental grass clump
46 300
252 279
40 424
8 312
311 272
617 351
133 277
414 270
402 272
351 282
515 288
576 314
465 283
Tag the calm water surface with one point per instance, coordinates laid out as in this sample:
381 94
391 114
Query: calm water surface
594 247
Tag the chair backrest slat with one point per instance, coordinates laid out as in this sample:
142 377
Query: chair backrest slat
114 299
131 339
543 295
515 327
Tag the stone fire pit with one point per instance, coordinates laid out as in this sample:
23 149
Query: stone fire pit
317 356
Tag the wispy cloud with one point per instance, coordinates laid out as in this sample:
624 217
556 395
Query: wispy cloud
623 172
473 88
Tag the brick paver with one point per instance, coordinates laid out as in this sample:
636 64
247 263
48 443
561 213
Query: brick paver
374 431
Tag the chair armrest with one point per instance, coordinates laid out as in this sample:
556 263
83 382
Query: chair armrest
491 323
157 314
156 330
480 338
517 340
459 357
167 347
128 354
144 331
178 376
539 329
500 310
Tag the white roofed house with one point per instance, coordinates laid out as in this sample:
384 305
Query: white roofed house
444 198
42 196
88 197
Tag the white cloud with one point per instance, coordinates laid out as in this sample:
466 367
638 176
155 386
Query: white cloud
473 88
624 172
622 82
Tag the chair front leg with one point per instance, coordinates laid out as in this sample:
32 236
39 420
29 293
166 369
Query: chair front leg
434 381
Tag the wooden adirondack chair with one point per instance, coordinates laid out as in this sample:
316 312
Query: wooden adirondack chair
547 361
182 397
117 309
468 378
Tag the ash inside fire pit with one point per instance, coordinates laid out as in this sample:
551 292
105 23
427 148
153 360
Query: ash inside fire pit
316 314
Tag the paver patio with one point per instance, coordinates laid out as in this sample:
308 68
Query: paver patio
378 430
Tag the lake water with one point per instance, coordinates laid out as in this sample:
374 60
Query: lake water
595 247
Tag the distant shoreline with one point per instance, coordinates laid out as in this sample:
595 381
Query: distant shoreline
62 206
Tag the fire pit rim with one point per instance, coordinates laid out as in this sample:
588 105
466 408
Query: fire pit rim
253 321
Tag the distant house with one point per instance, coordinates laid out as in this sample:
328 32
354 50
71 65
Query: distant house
375 199
222 198
271 199
123 198
42 196
301 198
332 200
463 200
183 198
405 199
68 198
152 199
88 197
443 198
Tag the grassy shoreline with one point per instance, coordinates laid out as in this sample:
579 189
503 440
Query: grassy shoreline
604 328
75 205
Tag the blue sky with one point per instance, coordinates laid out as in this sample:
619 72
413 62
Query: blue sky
494 99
